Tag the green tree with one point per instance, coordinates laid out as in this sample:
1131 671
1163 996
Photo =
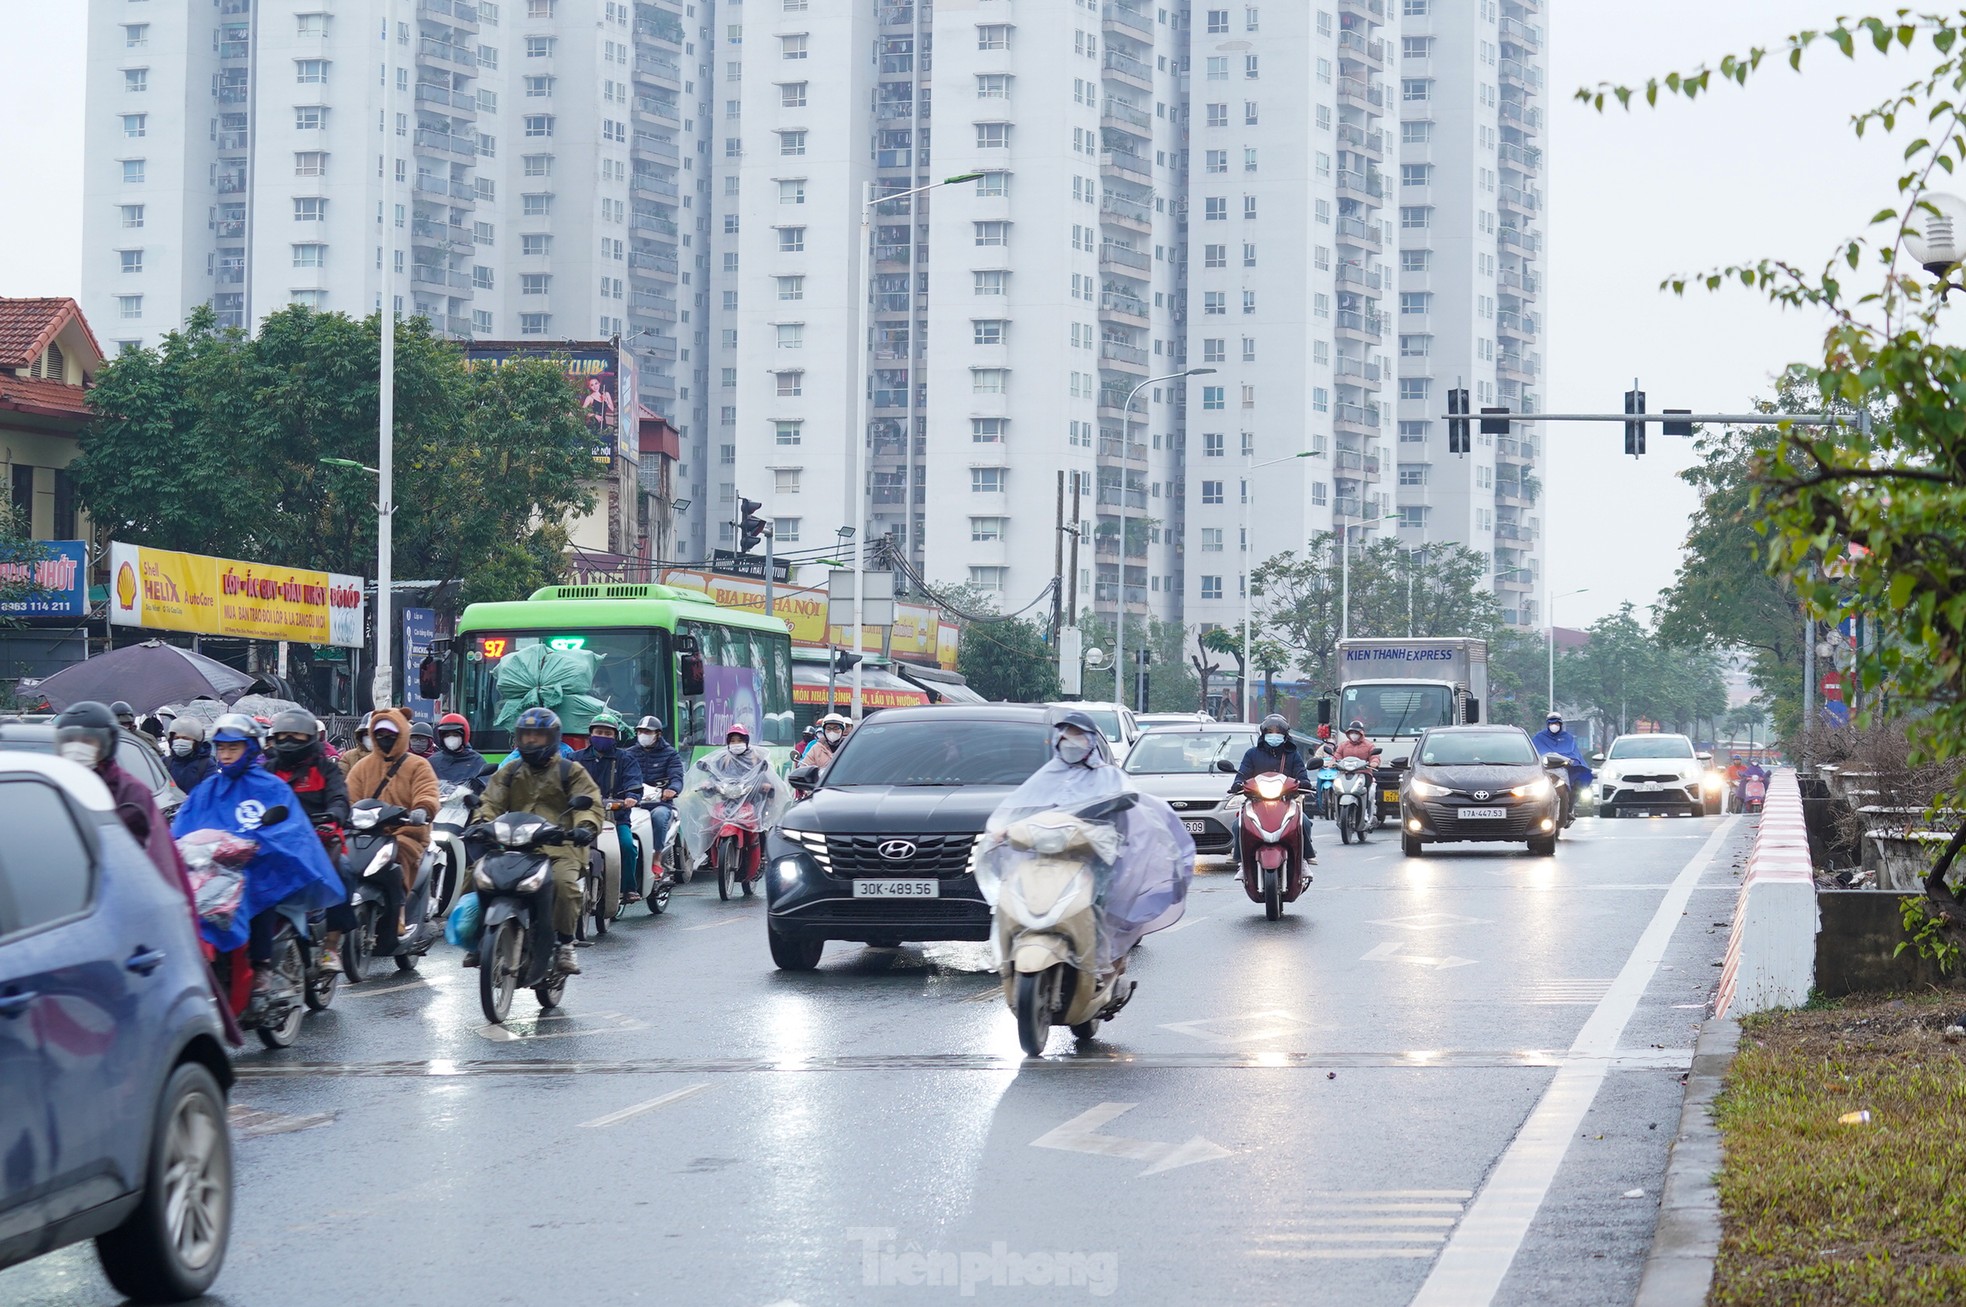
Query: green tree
1172 685
1008 660
1518 680
18 553
1626 674
211 443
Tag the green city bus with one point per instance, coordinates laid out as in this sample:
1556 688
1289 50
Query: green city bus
637 649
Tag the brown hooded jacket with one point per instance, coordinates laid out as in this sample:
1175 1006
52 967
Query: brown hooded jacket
399 777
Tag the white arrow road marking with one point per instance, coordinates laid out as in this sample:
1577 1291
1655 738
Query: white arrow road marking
626 1113
1081 1135
1429 921
712 925
1390 952
1268 1026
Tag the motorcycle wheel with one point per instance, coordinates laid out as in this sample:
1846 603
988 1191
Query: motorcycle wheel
1086 1029
292 968
358 945
1033 1013
550 991
727 855
498 970
657 899
1272 894
322 986
1347 820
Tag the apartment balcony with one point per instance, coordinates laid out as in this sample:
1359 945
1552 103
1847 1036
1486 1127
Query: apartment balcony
660 68
226 94
1128 308
647 261
1354 325
897 15
429 141
1369 11
229 228
1126 166
657 107
230 274
1524 77
1515 531
463 12
427 93
1352 274
1515 449
1526 36
1128 71
1109 497
421 275
1522 117
1513 578
890 111
1520 200
231 183
1510 494
646 304
1353 184
1513 366
448 52
233 140
1123 212
1361 94
658 148
444 235
1521 282
652 222
1128 21
1355 419
1526 243
1516 326
1119 256
1113 449
1121 116
1357 232
647 183
1122 357
1525 157
1360 140
1368 50
1356 372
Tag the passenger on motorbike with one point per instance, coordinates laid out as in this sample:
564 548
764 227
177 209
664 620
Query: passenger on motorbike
323 794
289 870
833 730
1554 739
190 758
662 776
1275 751
538 780
423 741
1354 745
455 761
619 775
364 745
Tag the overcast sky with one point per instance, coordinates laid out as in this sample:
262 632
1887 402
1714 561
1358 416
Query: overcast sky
1772 170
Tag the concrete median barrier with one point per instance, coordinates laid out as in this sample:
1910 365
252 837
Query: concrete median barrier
1771 955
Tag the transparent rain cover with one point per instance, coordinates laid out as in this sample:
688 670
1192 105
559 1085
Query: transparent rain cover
722 787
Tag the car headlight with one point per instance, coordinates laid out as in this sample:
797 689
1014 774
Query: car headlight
787 870
1713 780
1428 790
1269 787
1540 788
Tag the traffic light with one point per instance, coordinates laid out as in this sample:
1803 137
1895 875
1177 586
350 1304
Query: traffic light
1495 426
1457 422
844 661
1671 428
750 528
1634 431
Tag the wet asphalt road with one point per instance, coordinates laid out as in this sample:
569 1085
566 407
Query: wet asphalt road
1435 1082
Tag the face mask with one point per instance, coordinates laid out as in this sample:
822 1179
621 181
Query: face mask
453 743
1555 728
834 737
182 748
82 751
536 755
384 741
646 739
1274 741
1074 751
292 755
740 748
421 748
601 743
1356 738
363 742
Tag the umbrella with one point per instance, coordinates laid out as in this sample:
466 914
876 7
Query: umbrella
146 676
207 711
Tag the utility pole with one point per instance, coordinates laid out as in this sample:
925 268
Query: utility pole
1072 581
1058 563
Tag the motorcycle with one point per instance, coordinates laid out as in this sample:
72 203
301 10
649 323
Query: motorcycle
662 868
1272 844
216 862
738 847
373 870
1327 788
1754 792
1358 807
516 941
455 804
1046 923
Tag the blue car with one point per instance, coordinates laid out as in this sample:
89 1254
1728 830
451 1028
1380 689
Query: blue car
113 1066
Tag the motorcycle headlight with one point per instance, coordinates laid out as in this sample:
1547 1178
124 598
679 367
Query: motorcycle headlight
505 830
1269 787
365 818
1540 788
478 874
1428 790
385 853
535 882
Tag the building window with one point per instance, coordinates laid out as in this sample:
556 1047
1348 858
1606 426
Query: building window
991 282
787 433
988 480
992 136
791 288
793 46
538 87
992 233
785 480
311 72
1218 68
481 277
1417 132
791 240
132 172
1320 493
132 216
539 47
131 260
1211 492
1215 208
1416 217
791 143
1414 302
310 209
539 124
1211 587
129 307
310 255
136 35
309 298
1214 302
990 331
310 118
311 163
988 431
136 125
1413 260
993 86
535 324
481 322
1211 540
1416 174
790 385
993 36
1414 387
988 528
989 578
791 335
989 381
1414 90
792 95
535 283
1249 66
792 191
136 79
993 184
1249 301
537 243
1212 444
785 530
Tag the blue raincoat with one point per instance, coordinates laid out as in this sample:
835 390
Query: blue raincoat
290 865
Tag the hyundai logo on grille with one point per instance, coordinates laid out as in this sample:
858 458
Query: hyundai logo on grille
897 850
1481 794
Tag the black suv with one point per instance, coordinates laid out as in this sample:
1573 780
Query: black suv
883 848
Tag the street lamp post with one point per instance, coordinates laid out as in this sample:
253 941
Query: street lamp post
382 688
1345 577
1248 585
1119 610
1550 704
857 471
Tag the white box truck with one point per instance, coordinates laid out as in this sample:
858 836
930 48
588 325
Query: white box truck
1400 688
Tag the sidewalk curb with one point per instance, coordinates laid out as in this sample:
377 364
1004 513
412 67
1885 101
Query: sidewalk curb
1686 1242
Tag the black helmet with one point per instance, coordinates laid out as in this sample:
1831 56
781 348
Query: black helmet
1277 722
1356 725
88 722
649 723
538 719
293 721
123 713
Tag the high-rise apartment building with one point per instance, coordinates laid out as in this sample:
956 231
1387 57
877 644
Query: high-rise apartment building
1470 80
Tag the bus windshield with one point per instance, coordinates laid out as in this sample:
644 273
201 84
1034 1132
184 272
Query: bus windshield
1396 710
626 677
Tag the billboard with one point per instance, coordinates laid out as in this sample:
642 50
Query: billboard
164 590
602 373
60 577
919 632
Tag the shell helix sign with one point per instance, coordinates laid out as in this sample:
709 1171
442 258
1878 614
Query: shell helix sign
164 590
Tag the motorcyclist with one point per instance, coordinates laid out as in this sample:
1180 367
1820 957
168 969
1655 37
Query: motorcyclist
323 794
1354 745
364 745
538 780
1750 771
423 741
1275 751
289 867
662 776
619 776
126 716
190 758
736 761
1553 738
396 776
456 762
833 730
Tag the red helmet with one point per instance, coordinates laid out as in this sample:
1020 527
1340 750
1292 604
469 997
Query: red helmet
453 720
738 729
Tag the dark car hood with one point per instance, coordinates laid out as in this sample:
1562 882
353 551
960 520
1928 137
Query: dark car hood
898 809
1492 779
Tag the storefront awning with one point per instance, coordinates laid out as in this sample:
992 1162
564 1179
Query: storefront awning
878 689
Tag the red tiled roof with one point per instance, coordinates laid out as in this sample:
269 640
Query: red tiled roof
27 325
46 398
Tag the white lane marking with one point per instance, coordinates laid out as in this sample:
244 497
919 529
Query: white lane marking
1187 921
626 1113
1428 921
369 988
1476 1259
1390 952
1390 1193
256 1123
1081 1135
508 1034
1340 1224
712 925
1340 1254
1268 1026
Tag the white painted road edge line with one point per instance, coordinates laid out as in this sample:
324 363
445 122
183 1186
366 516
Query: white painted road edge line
1472 1266
616 1118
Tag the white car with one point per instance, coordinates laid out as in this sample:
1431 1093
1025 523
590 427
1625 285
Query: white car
1655 774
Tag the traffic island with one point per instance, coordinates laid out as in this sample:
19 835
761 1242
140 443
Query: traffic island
1844 1136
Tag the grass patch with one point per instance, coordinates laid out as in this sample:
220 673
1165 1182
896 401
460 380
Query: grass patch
1825 1214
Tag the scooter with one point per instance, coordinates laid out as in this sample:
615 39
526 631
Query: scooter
1046 924
738 849
1327 787
662 868
601 885
1272 842
372 867
516 941
1754 792
1358 808
455 805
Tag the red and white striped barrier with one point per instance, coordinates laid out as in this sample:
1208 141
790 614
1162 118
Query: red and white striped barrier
1771 958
